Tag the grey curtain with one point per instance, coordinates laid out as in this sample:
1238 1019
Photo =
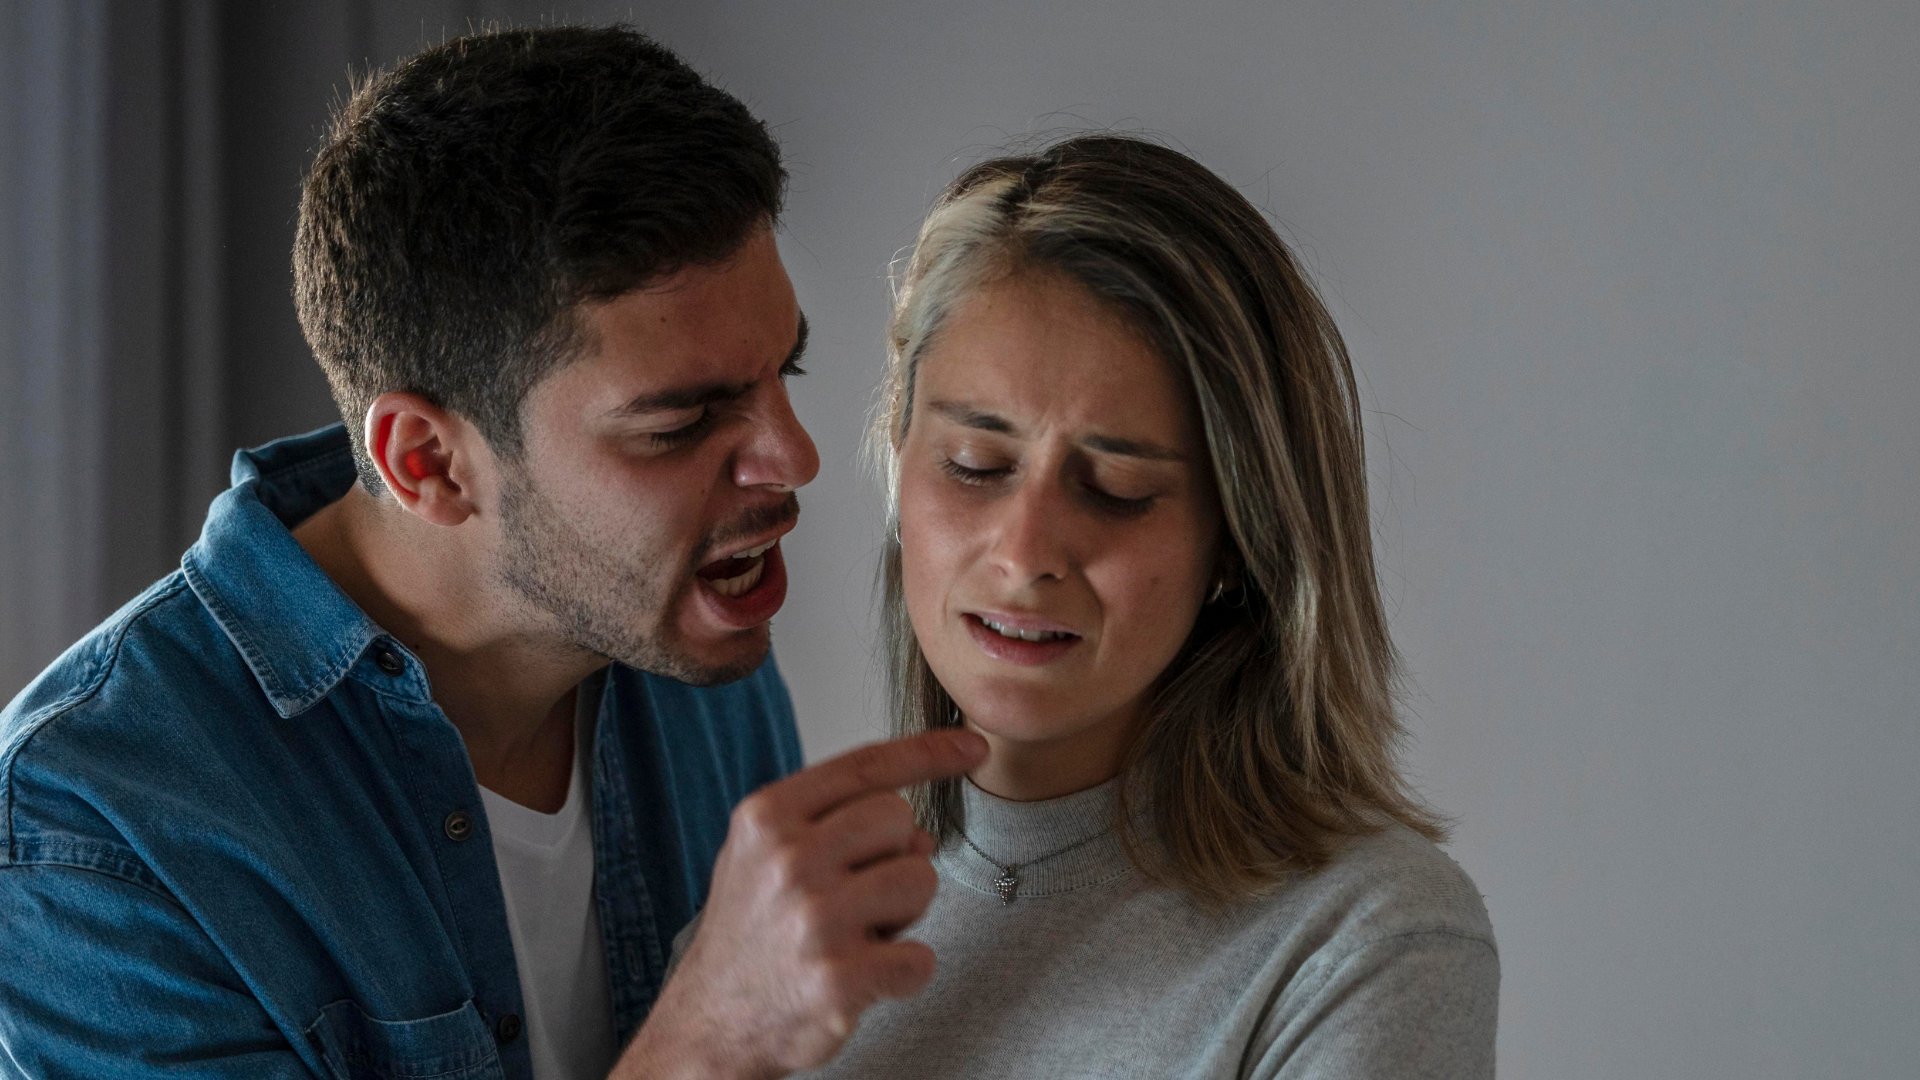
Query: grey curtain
150 161
110 302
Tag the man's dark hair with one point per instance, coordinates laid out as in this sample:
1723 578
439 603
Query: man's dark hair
465 202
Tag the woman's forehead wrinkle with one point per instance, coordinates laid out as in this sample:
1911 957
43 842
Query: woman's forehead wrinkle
973 416
1139 448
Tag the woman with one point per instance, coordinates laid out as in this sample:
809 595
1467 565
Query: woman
1129 545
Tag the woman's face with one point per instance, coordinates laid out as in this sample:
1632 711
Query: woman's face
1058 525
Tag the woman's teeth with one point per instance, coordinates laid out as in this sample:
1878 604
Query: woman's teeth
1023 635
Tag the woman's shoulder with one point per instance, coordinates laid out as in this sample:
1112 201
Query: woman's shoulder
1382 962
1384 885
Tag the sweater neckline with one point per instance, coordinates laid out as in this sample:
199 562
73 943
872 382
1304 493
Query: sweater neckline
1056 845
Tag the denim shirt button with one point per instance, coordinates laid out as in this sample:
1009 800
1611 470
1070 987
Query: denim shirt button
508 1029
459 825
389 661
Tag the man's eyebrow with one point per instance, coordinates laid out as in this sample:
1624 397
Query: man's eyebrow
677 398
799 344
697 395
981 420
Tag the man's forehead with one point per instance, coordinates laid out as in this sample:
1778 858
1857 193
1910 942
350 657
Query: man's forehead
692 323
729 321
665 389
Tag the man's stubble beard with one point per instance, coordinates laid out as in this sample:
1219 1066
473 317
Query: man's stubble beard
595 601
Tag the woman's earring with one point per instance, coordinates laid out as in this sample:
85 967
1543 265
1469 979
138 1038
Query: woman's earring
1219 590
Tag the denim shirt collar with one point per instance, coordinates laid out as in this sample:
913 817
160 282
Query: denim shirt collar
249 571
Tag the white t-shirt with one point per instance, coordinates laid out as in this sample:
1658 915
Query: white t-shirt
546 873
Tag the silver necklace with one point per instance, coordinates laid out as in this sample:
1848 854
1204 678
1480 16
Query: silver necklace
1008 883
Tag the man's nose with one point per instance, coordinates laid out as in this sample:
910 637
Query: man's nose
781 454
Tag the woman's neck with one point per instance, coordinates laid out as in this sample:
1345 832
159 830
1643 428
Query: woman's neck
1027 771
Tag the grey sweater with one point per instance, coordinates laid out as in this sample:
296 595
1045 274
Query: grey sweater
1380 966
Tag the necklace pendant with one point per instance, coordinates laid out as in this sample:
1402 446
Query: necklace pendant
1007 886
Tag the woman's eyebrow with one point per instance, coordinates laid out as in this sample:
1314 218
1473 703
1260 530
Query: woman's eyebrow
979 419
969 416
1140 448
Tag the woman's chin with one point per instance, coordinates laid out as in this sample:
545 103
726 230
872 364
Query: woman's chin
1016 717
1015 732
1023 727
1034 757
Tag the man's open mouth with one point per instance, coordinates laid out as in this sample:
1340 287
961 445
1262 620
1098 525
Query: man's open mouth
737 573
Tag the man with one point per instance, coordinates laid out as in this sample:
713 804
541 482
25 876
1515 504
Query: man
302 807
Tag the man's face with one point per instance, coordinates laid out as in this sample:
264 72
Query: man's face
658 468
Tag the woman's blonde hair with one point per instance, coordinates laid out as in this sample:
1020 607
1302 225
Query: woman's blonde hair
1272 734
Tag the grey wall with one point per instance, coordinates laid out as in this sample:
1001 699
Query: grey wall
1633 292
1631 288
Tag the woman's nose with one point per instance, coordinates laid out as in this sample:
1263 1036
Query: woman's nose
1030 533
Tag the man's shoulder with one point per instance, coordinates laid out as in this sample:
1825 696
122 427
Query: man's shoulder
90 675
117 707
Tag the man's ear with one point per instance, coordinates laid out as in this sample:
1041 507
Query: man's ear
425 455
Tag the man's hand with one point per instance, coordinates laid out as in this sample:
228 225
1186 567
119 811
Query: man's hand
819 874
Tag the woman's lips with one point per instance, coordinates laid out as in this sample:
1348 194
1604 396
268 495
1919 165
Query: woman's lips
1009 642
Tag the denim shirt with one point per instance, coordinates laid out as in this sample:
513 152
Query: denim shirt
238 839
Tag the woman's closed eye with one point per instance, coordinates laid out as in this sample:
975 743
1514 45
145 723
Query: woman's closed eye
969 474
1102 499
1118 505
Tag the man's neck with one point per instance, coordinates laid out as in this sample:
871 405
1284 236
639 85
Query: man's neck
508 691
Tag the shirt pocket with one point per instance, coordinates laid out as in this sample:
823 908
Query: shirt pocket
455 1045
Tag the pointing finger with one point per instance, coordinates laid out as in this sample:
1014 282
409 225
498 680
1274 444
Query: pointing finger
885 766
